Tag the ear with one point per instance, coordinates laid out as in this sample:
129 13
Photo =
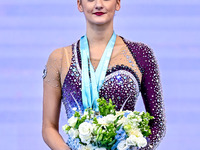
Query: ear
79 5
118 6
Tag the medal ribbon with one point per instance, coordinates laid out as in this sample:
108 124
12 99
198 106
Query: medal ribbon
92 81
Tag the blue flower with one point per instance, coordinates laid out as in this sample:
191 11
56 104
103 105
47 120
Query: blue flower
88 121
100 116
121 135
115 145
76 143
73 143
126 114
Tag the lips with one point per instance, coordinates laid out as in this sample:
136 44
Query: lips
99 13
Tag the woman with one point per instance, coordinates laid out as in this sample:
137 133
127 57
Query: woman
118 69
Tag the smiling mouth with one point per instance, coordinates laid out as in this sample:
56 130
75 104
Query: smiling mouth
99 13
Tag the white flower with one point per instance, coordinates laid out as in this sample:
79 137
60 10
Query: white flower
107 119
122 145
139 119
102 121
130 115
136 141
141 113
134 118
64 128
121 121
92 113
141 142
73 133
85 139
110 118
85 113
133 122
118 113
131 140
74 108
135 132
72 121
94 127
87 147
128 111
85 130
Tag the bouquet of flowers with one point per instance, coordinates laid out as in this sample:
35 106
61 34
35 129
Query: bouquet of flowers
109 129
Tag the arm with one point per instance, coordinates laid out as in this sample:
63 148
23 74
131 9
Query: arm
152 96
151 91
52 102
51 112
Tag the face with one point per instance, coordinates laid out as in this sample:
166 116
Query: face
98 12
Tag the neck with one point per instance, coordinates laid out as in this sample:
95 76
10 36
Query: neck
99 34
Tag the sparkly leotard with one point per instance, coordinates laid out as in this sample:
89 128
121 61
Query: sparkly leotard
130 72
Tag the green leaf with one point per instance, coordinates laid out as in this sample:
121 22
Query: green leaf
112 143
77 114
118 118
106 108
100 137
95 121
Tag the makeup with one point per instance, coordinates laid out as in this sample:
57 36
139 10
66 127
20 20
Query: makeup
99 13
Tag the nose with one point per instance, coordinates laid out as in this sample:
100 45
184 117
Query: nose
98 5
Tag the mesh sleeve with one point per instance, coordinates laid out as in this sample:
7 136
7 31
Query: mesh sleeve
53 69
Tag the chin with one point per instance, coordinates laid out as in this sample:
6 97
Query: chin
101 22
